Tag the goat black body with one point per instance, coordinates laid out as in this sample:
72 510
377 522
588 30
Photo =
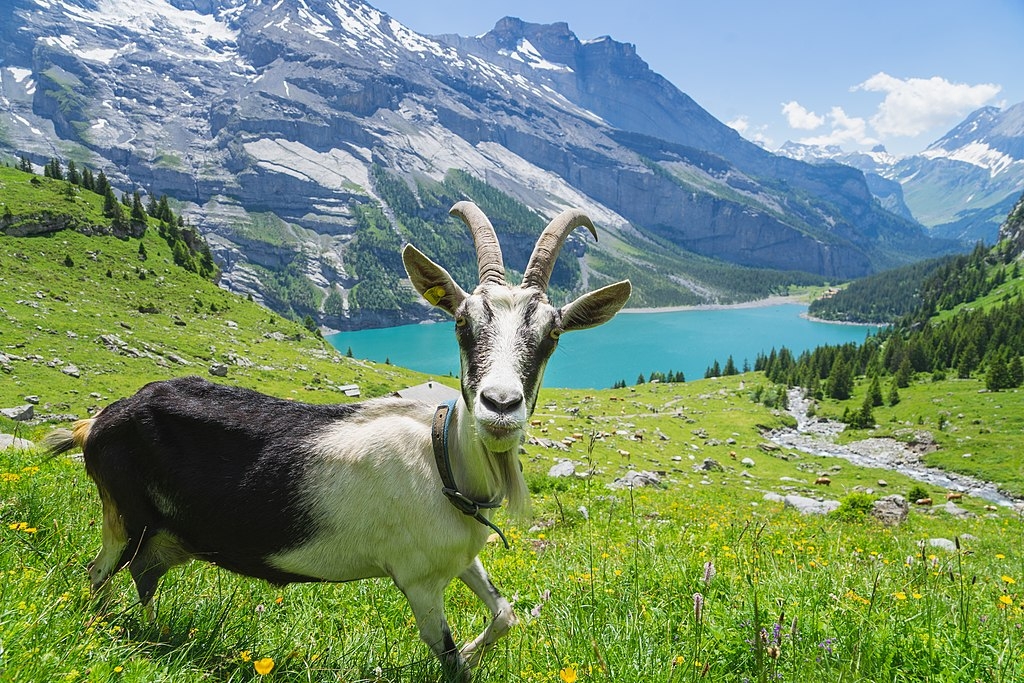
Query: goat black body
222 465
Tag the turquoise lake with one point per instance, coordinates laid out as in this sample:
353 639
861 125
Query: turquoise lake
632 343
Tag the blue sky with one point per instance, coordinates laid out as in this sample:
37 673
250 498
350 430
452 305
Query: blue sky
894 72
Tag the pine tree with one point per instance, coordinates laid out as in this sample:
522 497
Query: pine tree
102 184
25 165
74 177
1016 370
111 207
894 394
875 392
138 213
998 376
840 380
88 181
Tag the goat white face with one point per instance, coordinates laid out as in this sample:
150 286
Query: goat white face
507 333
506 336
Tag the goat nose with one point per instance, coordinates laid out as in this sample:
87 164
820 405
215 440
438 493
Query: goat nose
500 400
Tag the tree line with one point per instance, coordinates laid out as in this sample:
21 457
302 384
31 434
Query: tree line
128 216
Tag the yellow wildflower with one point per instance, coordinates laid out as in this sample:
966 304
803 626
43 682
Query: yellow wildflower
264 666
1007 579
1005 601
568 674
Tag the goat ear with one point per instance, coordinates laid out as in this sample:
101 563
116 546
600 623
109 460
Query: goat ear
595 308
432 281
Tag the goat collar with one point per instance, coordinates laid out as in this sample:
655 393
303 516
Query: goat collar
465 505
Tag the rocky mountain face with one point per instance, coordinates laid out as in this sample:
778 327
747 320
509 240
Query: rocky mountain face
267 122
961 186
1012 229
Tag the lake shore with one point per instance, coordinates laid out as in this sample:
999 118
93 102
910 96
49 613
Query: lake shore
777 300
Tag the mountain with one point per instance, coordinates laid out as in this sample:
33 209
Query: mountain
306 138
961 186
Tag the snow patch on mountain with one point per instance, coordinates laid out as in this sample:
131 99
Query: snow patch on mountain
526 53
977 154
190 28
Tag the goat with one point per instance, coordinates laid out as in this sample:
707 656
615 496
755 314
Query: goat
287 492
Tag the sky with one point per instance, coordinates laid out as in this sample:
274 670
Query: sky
898 73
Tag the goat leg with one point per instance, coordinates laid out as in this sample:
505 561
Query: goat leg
427 602
503 618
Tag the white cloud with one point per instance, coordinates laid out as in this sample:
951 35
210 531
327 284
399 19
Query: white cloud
799 117
846 130
914 105
758 134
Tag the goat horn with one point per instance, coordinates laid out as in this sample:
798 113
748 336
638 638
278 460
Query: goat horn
550 242
488 251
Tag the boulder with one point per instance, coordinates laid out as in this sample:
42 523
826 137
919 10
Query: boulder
634 479
19 413
8 441
955 510
891 510
219 370
709 465
942 544
563 468
810 506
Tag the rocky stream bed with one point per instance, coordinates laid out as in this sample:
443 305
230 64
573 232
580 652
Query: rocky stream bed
817 437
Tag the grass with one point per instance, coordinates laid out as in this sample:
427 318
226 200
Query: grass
604 580
699 579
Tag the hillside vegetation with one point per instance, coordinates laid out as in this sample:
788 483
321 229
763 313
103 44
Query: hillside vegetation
700 577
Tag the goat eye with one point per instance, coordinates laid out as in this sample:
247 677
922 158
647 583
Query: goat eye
460 321
555 333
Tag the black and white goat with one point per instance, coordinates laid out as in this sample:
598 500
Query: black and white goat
289 492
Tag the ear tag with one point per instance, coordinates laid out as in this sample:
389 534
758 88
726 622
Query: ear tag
434 294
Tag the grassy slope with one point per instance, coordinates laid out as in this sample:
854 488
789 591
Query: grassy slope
604 580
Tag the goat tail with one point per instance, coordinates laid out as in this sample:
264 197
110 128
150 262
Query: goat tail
63 440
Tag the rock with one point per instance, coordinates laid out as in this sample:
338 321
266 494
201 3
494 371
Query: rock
747 462
810 506
71 370
955 510
563 468
942 544
774 497
891 510
634 479
709 465
882 483
8 441
34 400
177 359
219 370
18 413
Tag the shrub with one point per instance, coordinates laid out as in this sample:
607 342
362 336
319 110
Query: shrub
917 492
854 507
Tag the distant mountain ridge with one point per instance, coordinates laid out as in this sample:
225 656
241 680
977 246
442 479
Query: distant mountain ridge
961 186
269 119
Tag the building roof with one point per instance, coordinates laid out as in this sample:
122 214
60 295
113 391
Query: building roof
429 392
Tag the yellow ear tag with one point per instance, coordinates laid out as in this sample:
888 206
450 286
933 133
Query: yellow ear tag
434 294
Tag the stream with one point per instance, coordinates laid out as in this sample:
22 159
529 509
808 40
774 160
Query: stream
817 437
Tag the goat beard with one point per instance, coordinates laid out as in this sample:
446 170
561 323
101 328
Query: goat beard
516 492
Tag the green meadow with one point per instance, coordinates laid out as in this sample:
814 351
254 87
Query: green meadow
697 578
